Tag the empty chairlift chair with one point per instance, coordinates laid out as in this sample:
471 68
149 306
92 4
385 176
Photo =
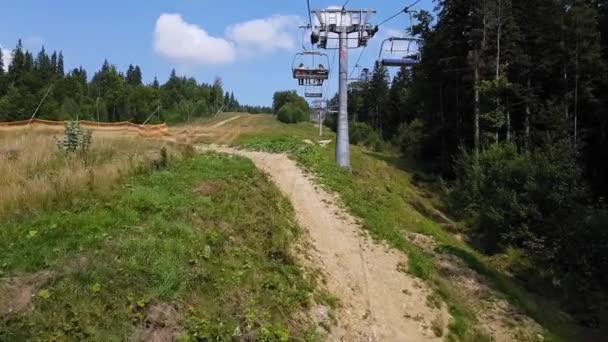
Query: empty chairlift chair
411 52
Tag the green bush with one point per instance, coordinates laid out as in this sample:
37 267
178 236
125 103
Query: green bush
281 98
363 134
410 137
535 201
292 112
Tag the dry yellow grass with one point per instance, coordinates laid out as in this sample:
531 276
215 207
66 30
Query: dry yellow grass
34 175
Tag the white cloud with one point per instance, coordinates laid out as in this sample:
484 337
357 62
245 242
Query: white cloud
7 56
268 34
189 44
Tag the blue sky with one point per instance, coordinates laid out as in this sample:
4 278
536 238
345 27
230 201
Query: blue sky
249 44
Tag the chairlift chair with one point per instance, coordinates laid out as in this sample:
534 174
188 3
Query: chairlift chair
412 51
310 75
358 82
412 54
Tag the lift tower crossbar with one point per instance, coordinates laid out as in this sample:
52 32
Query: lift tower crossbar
346 24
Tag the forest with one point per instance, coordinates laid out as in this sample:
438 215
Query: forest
108 96
508 106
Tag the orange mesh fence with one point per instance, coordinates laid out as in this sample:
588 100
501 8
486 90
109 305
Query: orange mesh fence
93 125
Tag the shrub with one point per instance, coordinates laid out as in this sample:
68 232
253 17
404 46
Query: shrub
75 138
364 135
292 112
280 98
535 201
410 137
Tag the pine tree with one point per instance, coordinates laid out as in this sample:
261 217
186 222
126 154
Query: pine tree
54 62
130 77
1 63
43 65
28 64
234 105
17 67
60 67
397 110
375 97
227 101
585 61
138 76
105 68
134 75
3 78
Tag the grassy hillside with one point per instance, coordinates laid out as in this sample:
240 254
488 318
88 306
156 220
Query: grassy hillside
393 202
201 247
199 250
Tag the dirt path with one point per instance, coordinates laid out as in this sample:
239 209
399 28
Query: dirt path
378 302
222 123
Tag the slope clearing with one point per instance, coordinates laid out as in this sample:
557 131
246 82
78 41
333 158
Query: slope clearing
378 301
200 250
395 207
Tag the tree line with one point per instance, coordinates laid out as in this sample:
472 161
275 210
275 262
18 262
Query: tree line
109 95
509 103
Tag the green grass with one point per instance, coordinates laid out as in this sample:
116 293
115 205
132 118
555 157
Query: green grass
220 257
380 191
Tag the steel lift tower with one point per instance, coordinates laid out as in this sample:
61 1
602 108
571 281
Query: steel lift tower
350 25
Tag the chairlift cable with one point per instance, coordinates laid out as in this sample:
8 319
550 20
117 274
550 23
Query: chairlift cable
333 62
357 63
346 3
309 14
398 13
390 18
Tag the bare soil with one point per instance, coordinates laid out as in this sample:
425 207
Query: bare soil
18 292
160 324
208 188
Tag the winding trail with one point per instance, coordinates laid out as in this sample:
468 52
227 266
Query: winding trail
378 302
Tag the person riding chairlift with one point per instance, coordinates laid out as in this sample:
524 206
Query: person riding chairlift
310 74
320 72
300 71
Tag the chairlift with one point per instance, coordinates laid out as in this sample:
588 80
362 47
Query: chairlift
410 55
358 82
310 75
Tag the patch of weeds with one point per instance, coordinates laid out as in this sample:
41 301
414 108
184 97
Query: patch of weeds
437 326
434 300
420 265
